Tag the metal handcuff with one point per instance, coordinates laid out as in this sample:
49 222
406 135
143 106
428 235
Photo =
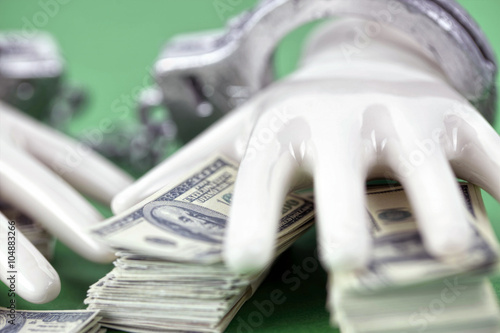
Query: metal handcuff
32 78
201 77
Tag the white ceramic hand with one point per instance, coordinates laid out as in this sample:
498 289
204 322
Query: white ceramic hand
37 164
382 111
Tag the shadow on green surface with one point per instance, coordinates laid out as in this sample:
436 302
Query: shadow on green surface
297 284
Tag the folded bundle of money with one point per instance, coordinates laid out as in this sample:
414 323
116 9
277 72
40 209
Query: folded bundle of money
34 231
405 289
169 275
71 321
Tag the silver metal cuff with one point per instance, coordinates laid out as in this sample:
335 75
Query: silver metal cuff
204 76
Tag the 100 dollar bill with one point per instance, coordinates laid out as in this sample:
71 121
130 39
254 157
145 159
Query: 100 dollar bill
399 256
186 221
23 321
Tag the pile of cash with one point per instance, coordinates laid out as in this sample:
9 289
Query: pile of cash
34 231
169 275
75 321
405 289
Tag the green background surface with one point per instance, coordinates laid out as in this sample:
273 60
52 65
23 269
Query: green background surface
110 46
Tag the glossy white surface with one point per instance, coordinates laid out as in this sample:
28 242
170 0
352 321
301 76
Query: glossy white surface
353 111
37 171
85 170
35 279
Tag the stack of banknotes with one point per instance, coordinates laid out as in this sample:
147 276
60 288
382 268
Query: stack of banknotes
404 289
74 321
169 274
34 231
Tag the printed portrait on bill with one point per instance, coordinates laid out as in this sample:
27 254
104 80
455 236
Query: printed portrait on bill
187 220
